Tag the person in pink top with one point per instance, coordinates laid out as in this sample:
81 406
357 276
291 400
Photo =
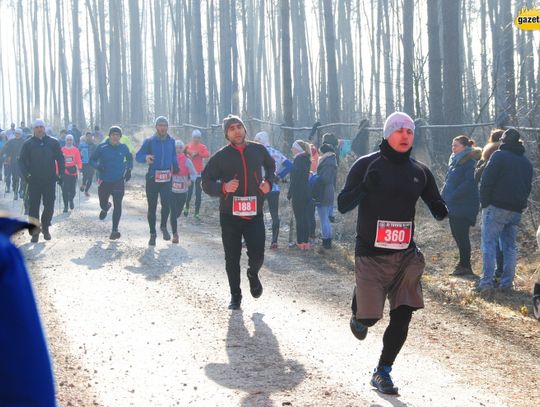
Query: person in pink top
72 158
197 152
181 181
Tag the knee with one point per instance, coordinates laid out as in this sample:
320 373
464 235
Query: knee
401 316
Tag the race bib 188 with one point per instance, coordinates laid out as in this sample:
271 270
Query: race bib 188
244 205
393 235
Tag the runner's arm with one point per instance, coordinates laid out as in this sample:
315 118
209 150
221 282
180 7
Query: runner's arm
354 190
269 166
129 159
59 157
192 171
432 197
140 157
211 178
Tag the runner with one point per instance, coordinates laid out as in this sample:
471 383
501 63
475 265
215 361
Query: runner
10 154
197 151
87 148
72 160
159 152
234 175
114 163
40 162
283 167
181 181
385 186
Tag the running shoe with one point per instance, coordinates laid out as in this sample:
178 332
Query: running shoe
197 217
236 300
152 241
115 235
175 239
71 204
46 233
382 381
255 286
186 212
81 188
166 235
358 329
103 214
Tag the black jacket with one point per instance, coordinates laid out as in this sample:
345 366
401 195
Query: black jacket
245 165
299 189
386 186
507 179
39 158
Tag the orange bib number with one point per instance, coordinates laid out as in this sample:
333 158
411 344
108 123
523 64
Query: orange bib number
162 176
393 235
244 205
68 159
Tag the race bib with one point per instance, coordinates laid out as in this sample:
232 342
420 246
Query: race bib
69 159
244 205
179 184
393 235
162 176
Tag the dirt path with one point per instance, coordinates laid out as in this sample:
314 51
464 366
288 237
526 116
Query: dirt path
130 325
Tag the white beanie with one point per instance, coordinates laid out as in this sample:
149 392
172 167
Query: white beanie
196 133
38 123
396 121
179 143
263 138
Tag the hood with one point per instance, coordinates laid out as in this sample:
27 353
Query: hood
474 154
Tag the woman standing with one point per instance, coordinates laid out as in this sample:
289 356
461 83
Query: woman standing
299 193
325 187
460 192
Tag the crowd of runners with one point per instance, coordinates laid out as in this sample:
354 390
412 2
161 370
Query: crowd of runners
383 187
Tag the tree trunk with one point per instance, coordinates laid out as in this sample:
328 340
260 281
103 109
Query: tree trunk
77 108
135 44
286 70
225 82
408 54
334 106
199 116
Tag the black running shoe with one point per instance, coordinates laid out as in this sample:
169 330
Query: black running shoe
115 235
236 299
152 241
166 235
103 214
35 238
71 204
358 329
46 233
382 381
255 286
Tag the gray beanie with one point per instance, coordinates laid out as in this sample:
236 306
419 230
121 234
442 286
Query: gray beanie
229 120
38 123
161 120
396 121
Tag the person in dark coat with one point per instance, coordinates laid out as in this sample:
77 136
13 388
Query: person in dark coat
504 190
324 190
26 377
460 193
299 192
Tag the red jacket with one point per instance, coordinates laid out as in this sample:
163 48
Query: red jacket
72 158
197 152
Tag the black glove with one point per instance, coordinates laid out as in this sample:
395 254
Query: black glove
60 181
438 210
127 175
372 181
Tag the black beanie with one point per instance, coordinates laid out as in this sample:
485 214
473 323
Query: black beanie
327 148
510 136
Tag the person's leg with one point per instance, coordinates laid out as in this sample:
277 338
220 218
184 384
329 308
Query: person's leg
90 177
15 187
152 199
117 196
34 199
499 261
72 184
311 224
49 194
509 249
254 236
198 195
181 202
7 176
273 207
175 205
65 192
231 235
460 231
299 215
188 199
491 230
165 199
324 218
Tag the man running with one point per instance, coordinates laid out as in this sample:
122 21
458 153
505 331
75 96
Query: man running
283 167
73 164
87 148
10 154
385 186
114 163
159 152
234 175
40 162
197 152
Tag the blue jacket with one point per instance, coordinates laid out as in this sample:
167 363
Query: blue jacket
26 377
164 152
460 191
111 161
507 179
87 150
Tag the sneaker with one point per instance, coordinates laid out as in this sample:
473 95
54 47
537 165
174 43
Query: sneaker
175 239
46 234
536 306
66 210
186 212
81 188
35 238
166 235
358 329
71 204
255 286
332 219
115 234
197 217
382 381
86 193
274 246
462 271
236 299
15 197
152 241
21 194
103 214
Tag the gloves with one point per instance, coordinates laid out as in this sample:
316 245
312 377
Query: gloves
60 181
127 175
438 210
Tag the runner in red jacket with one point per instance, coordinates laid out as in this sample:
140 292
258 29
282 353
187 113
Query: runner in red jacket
72 159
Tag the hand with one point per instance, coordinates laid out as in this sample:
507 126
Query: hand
149 159
127 175
194 154
231 186
264 187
